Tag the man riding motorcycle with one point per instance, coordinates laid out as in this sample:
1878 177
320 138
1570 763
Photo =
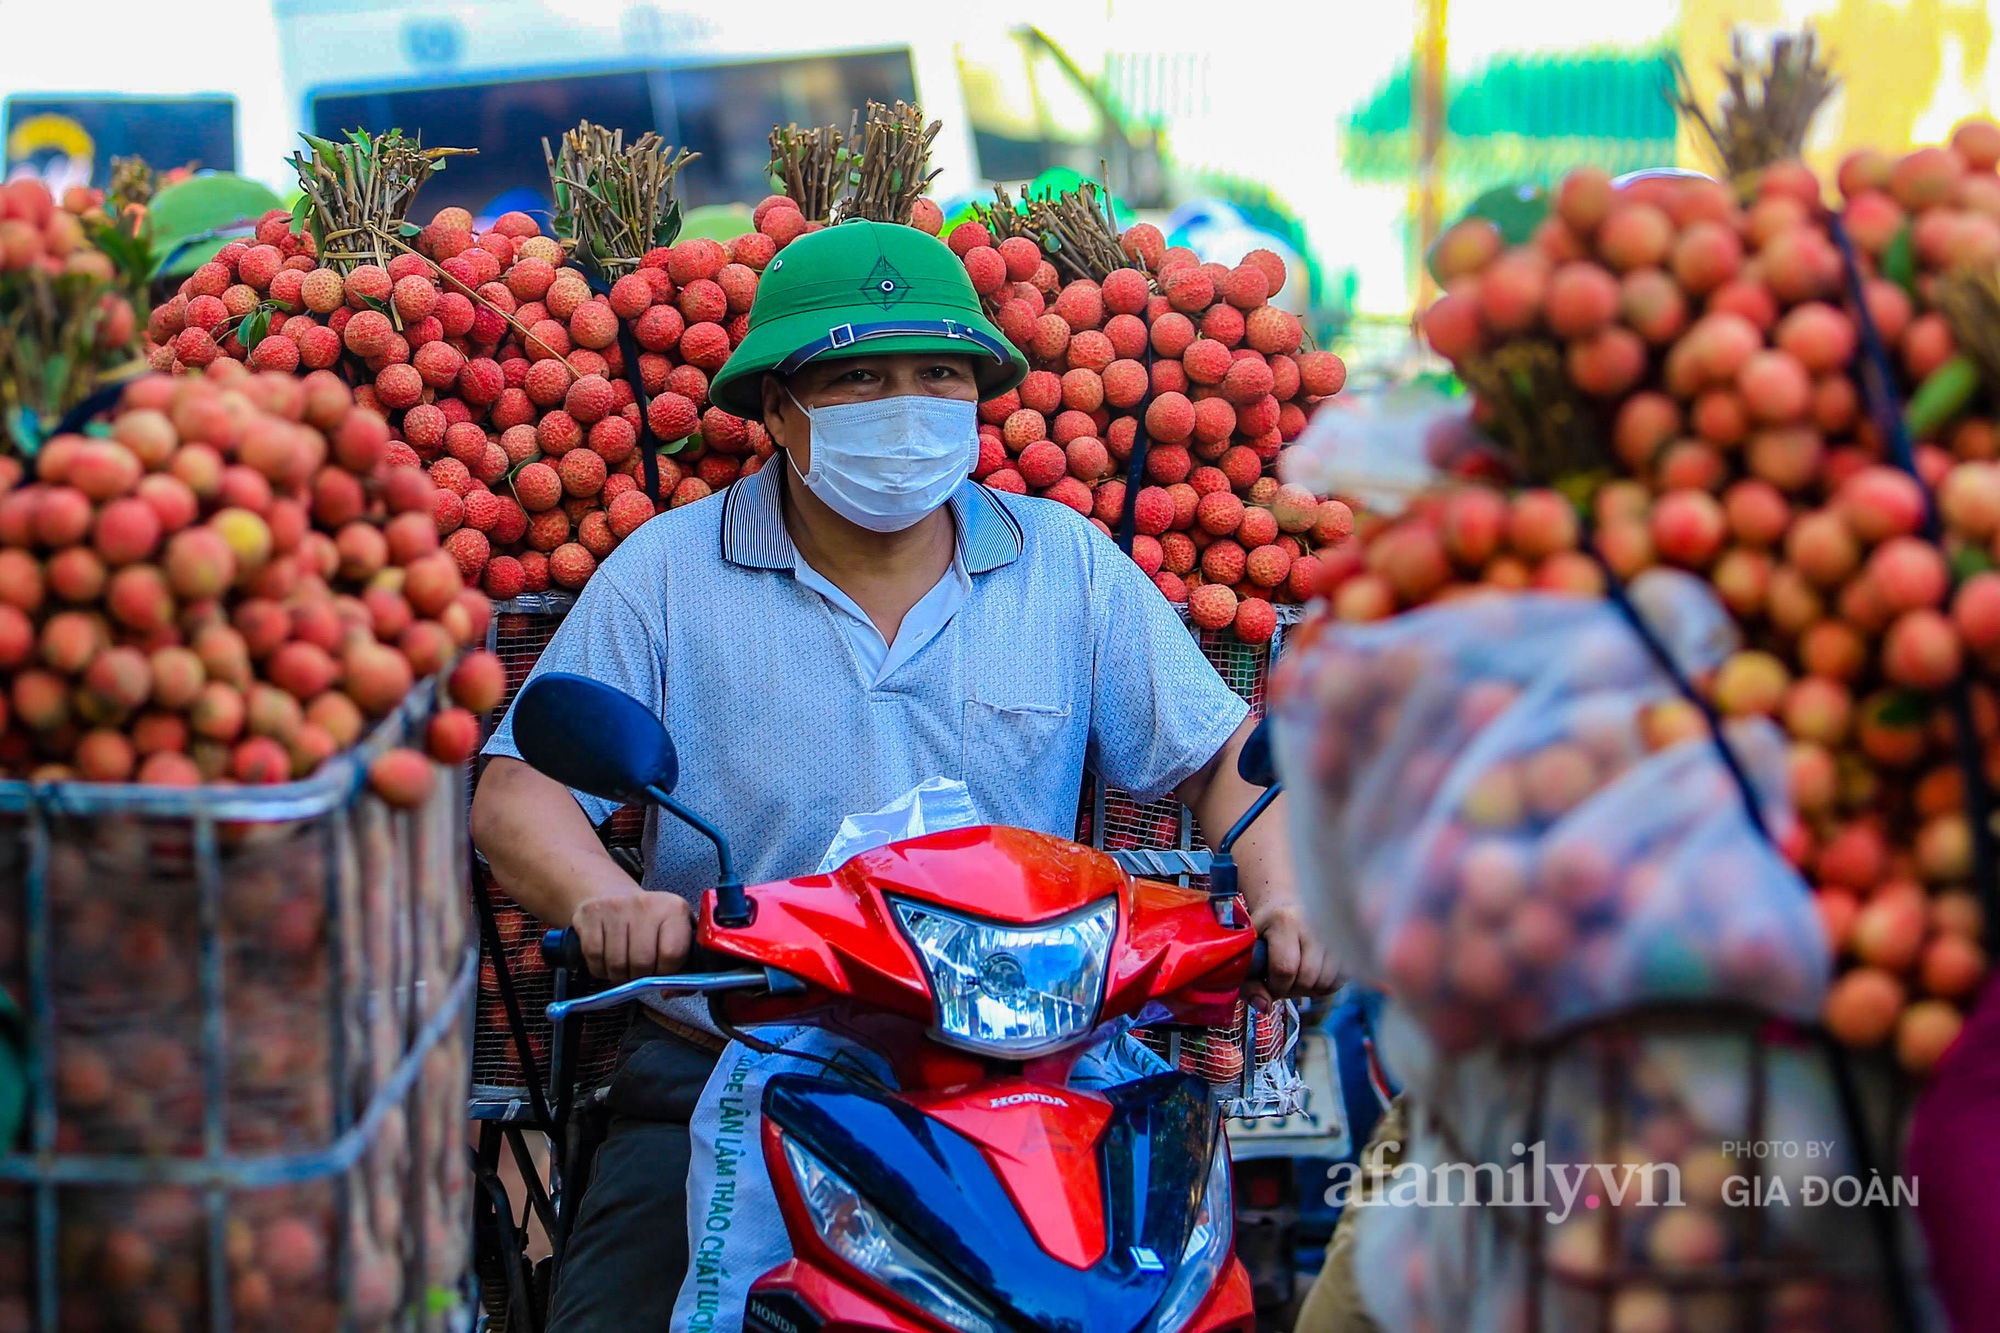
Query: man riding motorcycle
846 622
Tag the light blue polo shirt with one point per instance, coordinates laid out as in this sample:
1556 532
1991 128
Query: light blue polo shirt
1060 655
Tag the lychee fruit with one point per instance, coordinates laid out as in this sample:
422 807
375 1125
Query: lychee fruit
572 564
403 778
1212 606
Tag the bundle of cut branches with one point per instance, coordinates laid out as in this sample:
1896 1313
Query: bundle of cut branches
1006 217
811 168
1079 233
1075 228
60 335
1969 300
1544 425
133 181
361 187
1767 106
614 201
877 169
891 148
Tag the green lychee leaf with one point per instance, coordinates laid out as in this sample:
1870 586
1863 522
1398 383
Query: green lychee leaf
1969 560
190 221
1899 260
255 325
325 150
23 428
668 229
677 445
301 211
1903 708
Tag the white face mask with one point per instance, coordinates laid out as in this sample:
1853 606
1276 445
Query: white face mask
886 463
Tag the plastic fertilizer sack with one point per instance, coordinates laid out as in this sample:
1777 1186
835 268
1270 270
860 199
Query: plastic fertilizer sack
1507 813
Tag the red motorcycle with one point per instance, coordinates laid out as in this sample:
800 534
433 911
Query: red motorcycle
981 1193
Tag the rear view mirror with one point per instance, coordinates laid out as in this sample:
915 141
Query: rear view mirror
596 739
1253 761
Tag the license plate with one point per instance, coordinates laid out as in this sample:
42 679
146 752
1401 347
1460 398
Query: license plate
1322 1120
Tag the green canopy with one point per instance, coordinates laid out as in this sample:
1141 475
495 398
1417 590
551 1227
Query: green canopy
1521 116
209 203
1515 209
715 222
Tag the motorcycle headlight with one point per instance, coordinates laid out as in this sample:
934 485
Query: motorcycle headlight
1207 1248
1017 989
863 1237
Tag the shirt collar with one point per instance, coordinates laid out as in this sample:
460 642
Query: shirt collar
753 523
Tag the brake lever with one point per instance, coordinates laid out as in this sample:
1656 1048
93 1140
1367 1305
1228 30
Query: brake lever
689 983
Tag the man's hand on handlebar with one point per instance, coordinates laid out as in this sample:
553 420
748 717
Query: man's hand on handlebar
1298 965
628 935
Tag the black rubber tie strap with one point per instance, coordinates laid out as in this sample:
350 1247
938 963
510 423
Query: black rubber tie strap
1879 387
100 400
510 999
628 351
1135 467
1614 592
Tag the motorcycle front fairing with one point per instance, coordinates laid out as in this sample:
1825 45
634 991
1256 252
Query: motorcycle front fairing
838 933
939 1189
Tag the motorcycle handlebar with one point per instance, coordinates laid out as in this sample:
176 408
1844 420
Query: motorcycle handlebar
563 949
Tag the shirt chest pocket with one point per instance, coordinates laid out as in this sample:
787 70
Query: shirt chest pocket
1025 746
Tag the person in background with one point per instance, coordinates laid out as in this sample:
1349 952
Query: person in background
1954 1153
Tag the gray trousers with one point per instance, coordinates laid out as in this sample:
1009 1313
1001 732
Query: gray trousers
628 1252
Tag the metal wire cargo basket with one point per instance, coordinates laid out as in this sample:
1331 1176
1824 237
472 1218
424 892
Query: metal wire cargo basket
246 1017
1109 819
1718 1162
521 629
1251 1064
515 986
512 963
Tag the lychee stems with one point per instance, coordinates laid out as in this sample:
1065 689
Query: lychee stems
1766 109
49 359
1969 300
133 181
894 168
1546 429
810 167
614 203
361 188
1078 235
1089 246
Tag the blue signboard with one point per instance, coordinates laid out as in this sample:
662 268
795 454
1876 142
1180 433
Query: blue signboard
70 139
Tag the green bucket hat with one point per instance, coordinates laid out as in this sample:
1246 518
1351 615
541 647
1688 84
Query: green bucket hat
862 289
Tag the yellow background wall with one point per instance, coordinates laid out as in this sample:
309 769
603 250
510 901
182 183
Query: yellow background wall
1909 69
